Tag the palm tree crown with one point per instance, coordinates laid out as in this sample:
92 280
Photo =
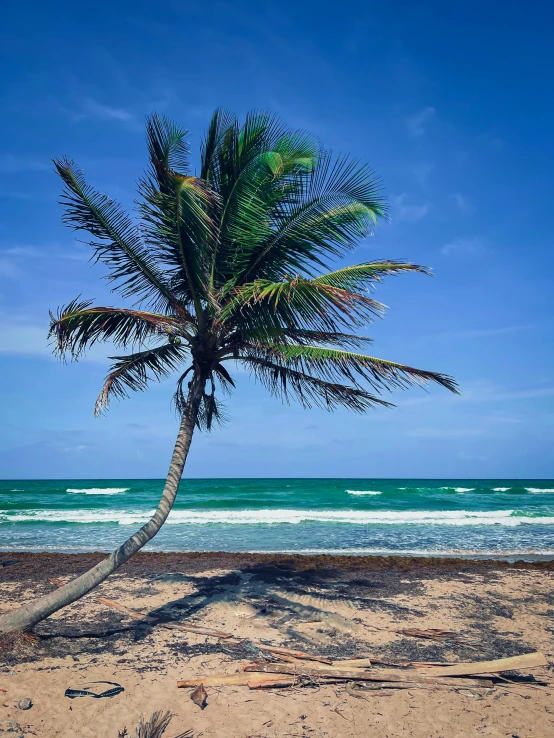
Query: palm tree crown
232 265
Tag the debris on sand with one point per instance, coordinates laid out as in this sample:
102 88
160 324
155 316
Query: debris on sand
199 696
261 673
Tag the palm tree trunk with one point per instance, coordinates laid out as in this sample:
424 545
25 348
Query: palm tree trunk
27 616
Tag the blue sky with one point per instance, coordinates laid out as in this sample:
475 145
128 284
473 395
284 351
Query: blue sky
450 103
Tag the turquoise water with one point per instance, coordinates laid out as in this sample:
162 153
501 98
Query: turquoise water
471 517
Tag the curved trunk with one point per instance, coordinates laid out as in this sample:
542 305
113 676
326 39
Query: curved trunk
27 616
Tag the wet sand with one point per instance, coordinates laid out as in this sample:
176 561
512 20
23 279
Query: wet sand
338 607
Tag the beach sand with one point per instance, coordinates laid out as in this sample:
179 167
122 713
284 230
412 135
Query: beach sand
338 607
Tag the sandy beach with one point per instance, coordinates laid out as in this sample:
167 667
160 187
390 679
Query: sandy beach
336 607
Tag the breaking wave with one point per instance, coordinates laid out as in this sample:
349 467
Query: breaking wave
362 492
510 518
98 491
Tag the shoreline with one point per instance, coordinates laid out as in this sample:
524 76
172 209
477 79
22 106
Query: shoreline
145 561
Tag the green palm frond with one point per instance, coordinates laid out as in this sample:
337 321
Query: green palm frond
286 383
330 208
77 326
335 365
309 337
120 246
256 167
221 122
362 276
265 306
168 147
180 232
133 372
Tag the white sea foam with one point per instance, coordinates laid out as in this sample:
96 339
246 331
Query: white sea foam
509 518
501 489
362 492
460 489
537 490
99 491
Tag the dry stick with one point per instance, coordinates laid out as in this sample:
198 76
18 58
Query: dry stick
378 675
356 663
526 661
238 679
290 681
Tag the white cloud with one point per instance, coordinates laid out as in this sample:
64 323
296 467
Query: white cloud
486 392
73 253
470 457
105 112
482 332
20 335
409 212
462 203
8 269
12 163
464 246
531 394
22 338
421 172
417 123
445 432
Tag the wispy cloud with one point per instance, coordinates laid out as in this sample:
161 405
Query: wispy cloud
445 432
418 122
470 457
482 332
8 269
464 246
94 109
462 203
17 337
486 392
10 163
409 211
18 253
22 335
531 394
422 171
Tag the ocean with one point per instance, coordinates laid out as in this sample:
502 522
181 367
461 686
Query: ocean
471 517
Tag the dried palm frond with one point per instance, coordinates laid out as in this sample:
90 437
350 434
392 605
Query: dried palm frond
156 726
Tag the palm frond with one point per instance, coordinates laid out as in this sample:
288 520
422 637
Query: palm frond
167 145
286 383
78 326
263 307
221 122
133 372
132 267
180 231
330 208
360 276
253 164
336 365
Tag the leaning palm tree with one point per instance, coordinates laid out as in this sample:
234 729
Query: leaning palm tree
229 267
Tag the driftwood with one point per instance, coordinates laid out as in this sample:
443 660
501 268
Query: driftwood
526 661
353 687
223 680
378 675
355 663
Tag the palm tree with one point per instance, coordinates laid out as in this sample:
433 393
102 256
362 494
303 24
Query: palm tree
229 267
